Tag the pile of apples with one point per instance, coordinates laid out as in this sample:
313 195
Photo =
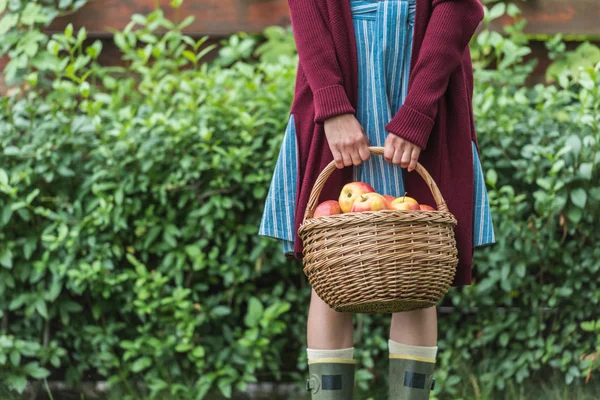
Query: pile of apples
360 197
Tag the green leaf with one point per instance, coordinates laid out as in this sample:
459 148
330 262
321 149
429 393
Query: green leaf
190 56
254 313
579 197
139 19
513 10
184 347
588 326
32 14
585 170
120 41
16 302
15 357
225 388
7 213
574 214
84 90
521 270
545 183
69 31
558 166
8 22
586 81
45 61
574 142
220 311
453 380
497 11
3 177
3 4
141 364
34 370
71 306
94 50
18 205
11 151
6 258
17 383
186 22
40 306
31 196
198 352
491 177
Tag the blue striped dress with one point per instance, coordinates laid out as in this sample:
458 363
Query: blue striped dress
384 30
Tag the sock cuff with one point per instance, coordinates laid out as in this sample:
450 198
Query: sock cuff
412 351
316 354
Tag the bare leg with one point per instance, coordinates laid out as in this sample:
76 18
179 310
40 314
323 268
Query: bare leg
415 328
328 329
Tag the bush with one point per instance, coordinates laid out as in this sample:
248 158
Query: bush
131 198
130 204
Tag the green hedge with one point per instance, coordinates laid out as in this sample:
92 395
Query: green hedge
130 200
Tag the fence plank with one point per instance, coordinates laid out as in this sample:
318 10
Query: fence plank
212 17
223 17
548 17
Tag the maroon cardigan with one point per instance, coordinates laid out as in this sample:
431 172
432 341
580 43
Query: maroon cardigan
437 113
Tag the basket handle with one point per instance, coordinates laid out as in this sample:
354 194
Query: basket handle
328 170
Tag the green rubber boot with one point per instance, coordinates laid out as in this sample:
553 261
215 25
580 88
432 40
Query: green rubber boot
331 379
411 378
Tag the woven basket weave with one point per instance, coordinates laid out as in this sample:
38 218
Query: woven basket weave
379 261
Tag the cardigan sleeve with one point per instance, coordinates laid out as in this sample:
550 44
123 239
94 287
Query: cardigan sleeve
450 28
316 51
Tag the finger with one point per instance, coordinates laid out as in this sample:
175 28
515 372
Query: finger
405 158
355 155
364 151
337 156
346 158
388 150
397 158
414 157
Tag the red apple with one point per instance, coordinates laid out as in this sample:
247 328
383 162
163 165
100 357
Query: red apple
404 203
388 199
425 207
351 192
369 202
329 207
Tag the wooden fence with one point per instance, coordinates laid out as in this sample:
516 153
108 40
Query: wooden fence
576 19
223 17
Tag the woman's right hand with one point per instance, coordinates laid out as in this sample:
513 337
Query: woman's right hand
347 140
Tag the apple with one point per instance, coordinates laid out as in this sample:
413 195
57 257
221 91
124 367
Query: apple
329 207
388 199
404 203
369 202
352 191
407 199
425 207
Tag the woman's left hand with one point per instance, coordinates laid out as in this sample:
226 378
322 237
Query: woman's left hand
401 152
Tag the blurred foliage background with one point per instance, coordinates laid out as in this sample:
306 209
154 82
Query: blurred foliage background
130 199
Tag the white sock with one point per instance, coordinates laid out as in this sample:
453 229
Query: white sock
317 354
413 351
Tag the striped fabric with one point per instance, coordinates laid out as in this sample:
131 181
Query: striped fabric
384 39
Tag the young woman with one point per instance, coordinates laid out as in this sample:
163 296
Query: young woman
392 73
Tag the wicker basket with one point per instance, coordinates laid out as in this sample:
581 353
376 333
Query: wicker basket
379 261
